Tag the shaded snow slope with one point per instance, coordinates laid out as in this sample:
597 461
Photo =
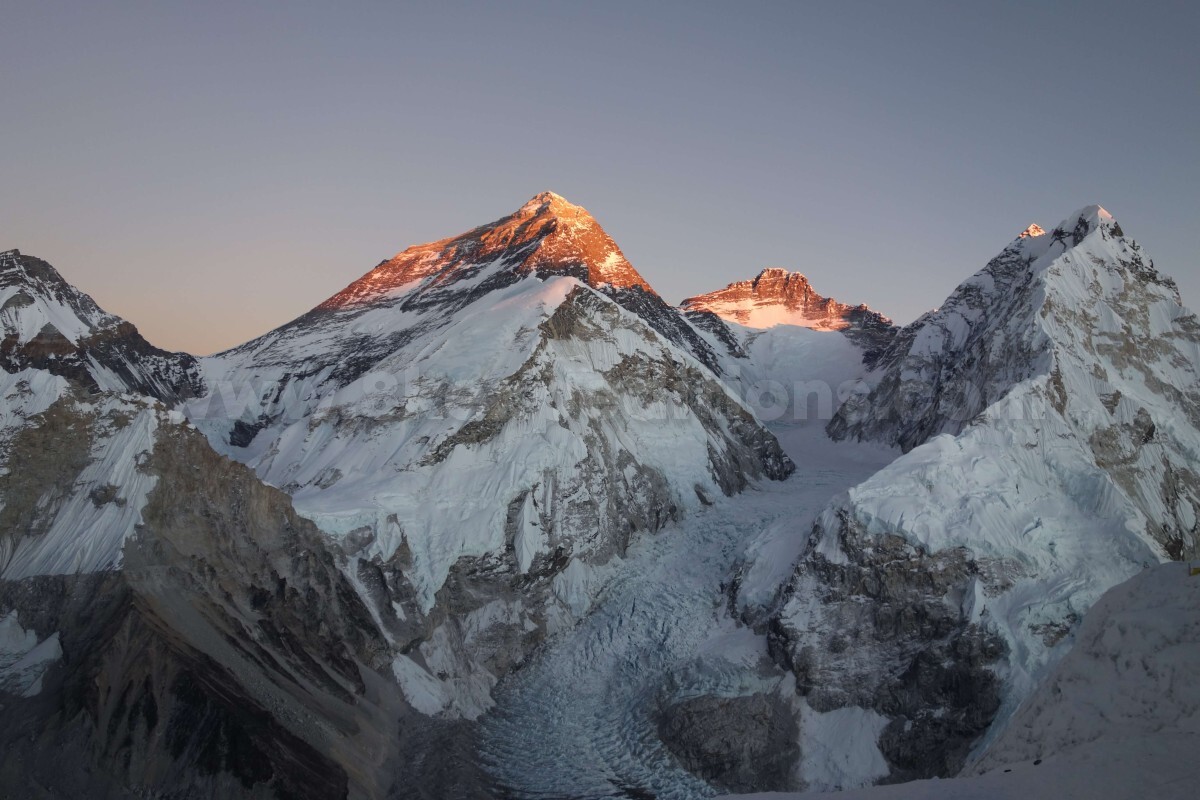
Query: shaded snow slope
1130 675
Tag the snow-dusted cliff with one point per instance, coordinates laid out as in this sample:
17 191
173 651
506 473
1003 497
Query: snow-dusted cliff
168 624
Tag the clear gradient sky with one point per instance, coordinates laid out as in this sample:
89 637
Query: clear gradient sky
211 170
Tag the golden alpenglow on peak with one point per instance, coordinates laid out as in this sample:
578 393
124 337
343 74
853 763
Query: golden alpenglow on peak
546 236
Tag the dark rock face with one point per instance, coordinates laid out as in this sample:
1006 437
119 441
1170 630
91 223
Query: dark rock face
929 389
714 325
132 711
667 320
887 629
199 668
738 744
111 351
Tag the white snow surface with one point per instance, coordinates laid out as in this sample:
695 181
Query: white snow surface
795 374
754 313
84 535
23 659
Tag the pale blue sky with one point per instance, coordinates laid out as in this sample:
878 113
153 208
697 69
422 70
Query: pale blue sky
211 170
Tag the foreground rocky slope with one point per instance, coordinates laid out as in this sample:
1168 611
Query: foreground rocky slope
933 596
169 626
227 656
1118 717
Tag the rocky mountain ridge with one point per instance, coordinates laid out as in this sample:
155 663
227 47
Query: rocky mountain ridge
776 296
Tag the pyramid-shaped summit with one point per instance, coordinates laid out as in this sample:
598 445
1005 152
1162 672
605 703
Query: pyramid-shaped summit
546 236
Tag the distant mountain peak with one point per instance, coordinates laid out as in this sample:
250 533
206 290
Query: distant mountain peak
779 297
553 201
546 236
1033 230
48 324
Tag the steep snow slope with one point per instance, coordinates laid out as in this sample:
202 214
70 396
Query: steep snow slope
939 591
1117 719
78 414
72 486
790 374
46 323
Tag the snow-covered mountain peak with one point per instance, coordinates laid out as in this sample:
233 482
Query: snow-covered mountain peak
1069 233
35 301
556 203
1081 288
779 297
546 236
1049 411
47 324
